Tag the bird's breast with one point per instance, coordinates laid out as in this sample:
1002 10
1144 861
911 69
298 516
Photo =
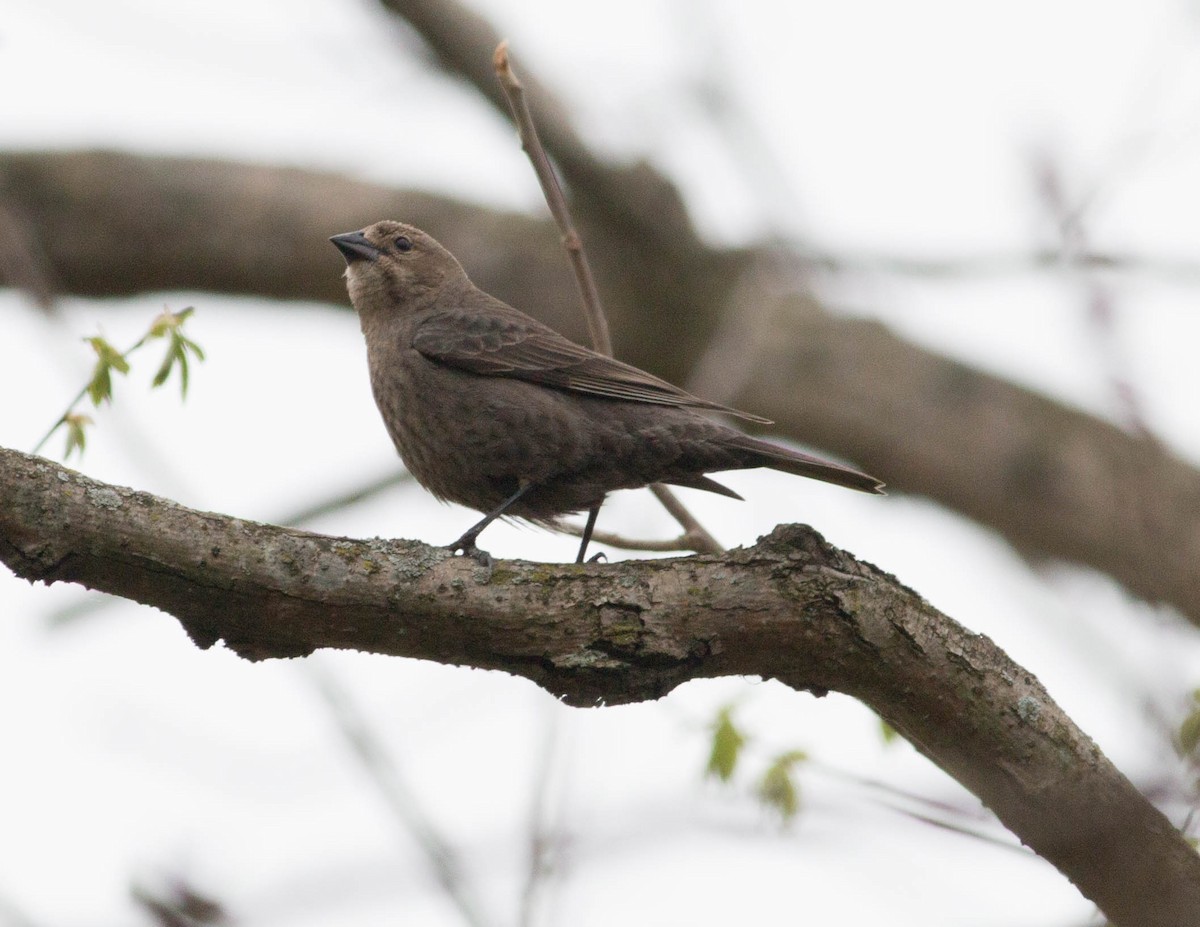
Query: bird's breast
473 439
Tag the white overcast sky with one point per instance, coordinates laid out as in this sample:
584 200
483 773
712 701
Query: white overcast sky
905 129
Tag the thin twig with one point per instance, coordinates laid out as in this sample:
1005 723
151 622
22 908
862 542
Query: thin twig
1100 304
514 93
545 843
1000 264
177 903
612 539
692 528
376 762
963 830
344 500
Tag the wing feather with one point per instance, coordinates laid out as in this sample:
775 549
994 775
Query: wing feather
510 344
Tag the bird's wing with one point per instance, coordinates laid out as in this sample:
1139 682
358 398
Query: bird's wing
504 345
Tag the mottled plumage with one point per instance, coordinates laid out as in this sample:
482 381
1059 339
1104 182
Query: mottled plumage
494 410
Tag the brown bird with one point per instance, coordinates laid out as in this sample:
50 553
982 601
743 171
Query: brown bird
492 409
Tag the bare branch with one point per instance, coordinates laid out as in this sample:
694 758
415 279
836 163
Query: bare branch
696 537
684 542
336 503
1000 264
627 632
514 92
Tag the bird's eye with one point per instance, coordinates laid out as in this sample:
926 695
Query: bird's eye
403 243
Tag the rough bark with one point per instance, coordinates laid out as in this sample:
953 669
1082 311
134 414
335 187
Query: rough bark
1052 480
792 608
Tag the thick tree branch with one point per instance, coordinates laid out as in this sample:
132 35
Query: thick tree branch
791 608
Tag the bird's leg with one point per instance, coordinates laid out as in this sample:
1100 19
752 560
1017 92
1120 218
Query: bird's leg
466 543
587 532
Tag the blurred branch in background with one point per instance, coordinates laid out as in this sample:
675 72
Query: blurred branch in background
177 903
375 760
1180 271
1099 300
22 265
547 843
344 500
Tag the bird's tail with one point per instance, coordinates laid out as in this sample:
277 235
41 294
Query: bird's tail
764 454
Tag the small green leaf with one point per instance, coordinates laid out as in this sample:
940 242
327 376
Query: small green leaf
778 789
888 733
1189 733
108 358
727 743
177 351
192 346
183 373
107 354
76 433
168 322
164 369
183 346
100 386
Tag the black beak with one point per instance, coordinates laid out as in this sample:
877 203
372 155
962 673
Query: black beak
355 247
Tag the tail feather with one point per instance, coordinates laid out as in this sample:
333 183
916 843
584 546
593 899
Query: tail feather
763 454
699 481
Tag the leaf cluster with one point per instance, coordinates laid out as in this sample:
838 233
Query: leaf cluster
181 349
776 787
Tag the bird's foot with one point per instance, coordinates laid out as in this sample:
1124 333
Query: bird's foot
597 557
466 544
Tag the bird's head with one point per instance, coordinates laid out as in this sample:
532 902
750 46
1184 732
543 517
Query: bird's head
393 268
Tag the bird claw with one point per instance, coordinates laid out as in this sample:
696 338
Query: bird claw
597 557
467 546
